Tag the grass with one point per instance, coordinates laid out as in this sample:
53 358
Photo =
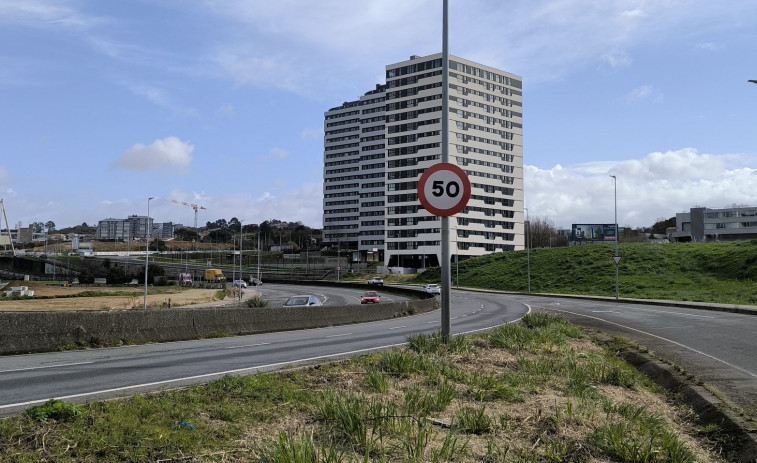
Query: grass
702 272
541 393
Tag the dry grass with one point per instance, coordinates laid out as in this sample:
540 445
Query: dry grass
243 419
123 298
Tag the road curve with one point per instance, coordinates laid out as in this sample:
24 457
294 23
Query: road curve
718 348
80 376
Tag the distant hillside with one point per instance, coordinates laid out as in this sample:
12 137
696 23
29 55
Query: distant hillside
712 272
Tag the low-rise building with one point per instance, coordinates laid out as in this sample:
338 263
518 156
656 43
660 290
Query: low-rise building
702 224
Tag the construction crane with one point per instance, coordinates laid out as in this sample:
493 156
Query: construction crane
8 227
196 207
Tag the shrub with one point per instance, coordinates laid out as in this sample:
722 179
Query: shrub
53 409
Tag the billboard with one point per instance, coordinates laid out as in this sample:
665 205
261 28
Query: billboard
593 232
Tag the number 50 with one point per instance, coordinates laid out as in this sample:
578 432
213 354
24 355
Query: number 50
438 189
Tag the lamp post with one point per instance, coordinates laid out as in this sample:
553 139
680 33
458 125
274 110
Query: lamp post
240 258
528 251
258 255
147 247
616 257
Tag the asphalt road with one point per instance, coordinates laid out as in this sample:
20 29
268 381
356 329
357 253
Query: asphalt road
80 376
718 348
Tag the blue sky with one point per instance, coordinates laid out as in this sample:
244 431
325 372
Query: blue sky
220 102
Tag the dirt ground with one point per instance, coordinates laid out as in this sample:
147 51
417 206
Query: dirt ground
126 298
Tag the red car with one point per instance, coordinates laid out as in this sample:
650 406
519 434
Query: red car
370 297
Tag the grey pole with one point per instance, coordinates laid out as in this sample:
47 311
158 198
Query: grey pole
241 277
147 247
528 251
445 263
615 181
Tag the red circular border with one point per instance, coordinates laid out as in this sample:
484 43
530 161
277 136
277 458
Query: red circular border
466 189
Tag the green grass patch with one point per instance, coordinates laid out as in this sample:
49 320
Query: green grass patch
701 272
486 397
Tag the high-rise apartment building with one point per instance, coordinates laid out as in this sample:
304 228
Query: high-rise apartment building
377 147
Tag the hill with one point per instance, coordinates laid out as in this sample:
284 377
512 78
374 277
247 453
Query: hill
704 272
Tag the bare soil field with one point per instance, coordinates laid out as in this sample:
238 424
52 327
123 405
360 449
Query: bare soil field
63 298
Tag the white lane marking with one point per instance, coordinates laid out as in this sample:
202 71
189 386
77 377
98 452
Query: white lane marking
249 345
670 312
432 322
663 339
398 327
605 311
207 375
236 371
338 335
46 366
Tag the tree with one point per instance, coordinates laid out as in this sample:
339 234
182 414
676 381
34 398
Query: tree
660 227
117 275
542 233
50 226
185 234
220 235
153 270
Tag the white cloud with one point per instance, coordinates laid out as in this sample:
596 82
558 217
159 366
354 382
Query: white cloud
657 185
709 46
227 110
617 59
44 14
160 98
637 13
274 154
311 134
169 153
643 92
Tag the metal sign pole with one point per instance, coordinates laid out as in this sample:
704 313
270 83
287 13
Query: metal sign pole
445 263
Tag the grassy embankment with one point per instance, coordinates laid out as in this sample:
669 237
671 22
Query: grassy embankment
537 391
704 272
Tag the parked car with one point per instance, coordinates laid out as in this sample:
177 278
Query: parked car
303 300
370 297
376 281
255 281
240 283
432 288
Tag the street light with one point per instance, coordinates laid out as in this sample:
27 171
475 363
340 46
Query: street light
240 258
147 247
528 251
616 257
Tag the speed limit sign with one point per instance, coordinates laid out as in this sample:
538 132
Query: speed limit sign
444 189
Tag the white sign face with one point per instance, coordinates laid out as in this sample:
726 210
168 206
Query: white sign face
444 189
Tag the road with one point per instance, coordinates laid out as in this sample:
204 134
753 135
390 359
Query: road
717 347
80 376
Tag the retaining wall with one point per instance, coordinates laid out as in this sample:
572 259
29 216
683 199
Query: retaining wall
28 332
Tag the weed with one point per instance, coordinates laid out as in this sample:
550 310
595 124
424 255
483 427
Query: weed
256 302
376 381
472 420
54 409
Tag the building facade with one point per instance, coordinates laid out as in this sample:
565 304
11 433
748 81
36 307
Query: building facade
131 228
704 224
376 148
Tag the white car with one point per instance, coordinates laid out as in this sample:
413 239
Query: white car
240 283
432 288
303 300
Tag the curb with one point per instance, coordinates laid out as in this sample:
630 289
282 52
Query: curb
707 406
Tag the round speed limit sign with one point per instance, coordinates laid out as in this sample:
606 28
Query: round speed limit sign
444 189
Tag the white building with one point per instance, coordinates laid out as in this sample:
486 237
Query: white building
376 148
